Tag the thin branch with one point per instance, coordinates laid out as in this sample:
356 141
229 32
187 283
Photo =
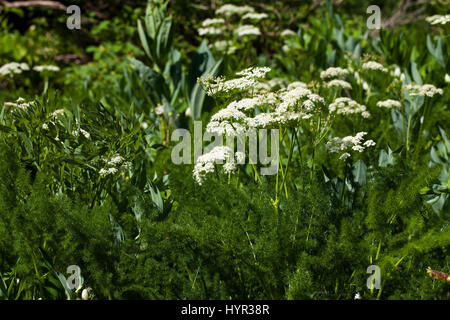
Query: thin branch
46 4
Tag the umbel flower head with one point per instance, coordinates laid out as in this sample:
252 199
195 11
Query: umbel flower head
13 68
344 145
206 163
46 68
374 66
247 30
346 106
423 90
248 79
231 9
334 72
389 104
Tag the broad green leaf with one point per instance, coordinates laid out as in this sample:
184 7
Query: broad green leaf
415 73
360 172
197 96
164 40
143 38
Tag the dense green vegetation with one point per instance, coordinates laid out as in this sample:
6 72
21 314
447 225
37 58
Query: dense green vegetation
87 175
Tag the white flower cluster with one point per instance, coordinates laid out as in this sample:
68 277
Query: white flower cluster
159 110
447 78
86 134
19 104
348 106
438 19
216 26
389 104
214 86
13 68
230 9
361 81
247 30
113 165
298 96
296 84
343 145
223 45
255 16
210 31
333 72
339 84
425 90
254 72
246 104
46 68
212 22
57 113
374 66
289 105
288 33
206 163
108 171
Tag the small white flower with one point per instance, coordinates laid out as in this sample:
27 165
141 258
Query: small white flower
288 33
374 66
144 125
424 90
389 104
240 157
46 68
209 31
159 110
447 78
337 144
296 84
339 84
255 16
254 72
357 296
86 134
13 68
57 113
333 72
247 30
205 163
344 156
115 160
210 22
438 19
85 293
106 172
346 106
230 9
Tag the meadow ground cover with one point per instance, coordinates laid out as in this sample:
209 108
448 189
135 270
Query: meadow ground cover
221 150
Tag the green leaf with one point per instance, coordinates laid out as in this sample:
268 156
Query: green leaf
386 158
437 51
197 96
164 40
360 172
435 156
153 82
201 61
143 38
3 288
415 73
